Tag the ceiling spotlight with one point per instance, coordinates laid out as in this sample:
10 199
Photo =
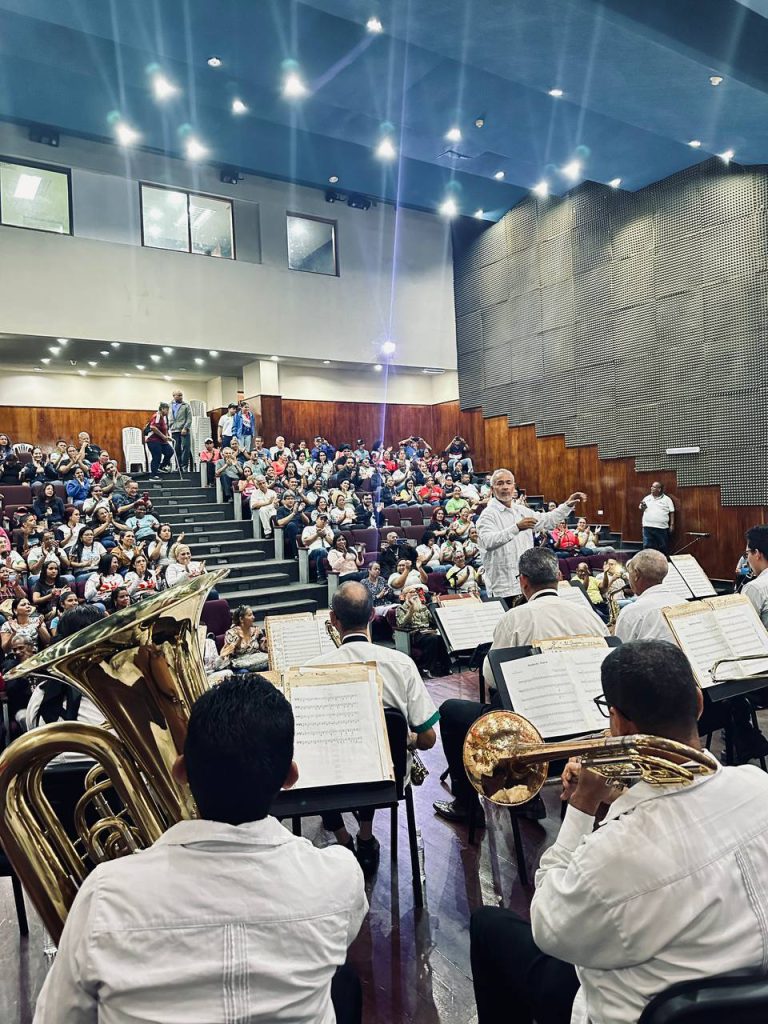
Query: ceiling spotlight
557 93
126 375
378 367
62 341
326 362
499 175
104 352
212 353
92 362
115 344
275 359
453 134
448 208
199 361
695 143
373 25
140 366
480 122
333 179
166 377
38 369
46 361
194 149
54 350
215 62
162 88
715 79
293 87
541 189
572 169
155 359
238 107
614 182
167 350
126 135
388 348
727 155
83 373
386 149
479 214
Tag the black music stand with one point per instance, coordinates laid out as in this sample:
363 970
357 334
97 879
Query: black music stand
727 690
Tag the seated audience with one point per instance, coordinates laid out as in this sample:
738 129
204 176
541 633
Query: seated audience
106 529
183 568
289 517
461 577
48 550
141 581
440 524
564 539
317 538
456 502
347 562
406 575
427 645
99 585
126 549
86 554
232 871
377 587
10 471
757 556
79 487
586 538
67 603
590 584
24 623
245 645
644 618
49 590
159 549
429 553
118 599
264 501
48 506
142 523
687 855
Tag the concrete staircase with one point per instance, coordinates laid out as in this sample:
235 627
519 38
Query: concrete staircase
256 577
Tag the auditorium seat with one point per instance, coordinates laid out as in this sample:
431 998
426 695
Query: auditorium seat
216 616
16 494
414 532
437 583
368 537
392 516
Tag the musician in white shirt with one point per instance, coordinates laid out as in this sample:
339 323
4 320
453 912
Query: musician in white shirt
658 518
757 556
505 530
226 917
669 888
643 619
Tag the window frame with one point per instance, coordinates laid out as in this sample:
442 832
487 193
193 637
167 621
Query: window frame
320 220
189 193
36 165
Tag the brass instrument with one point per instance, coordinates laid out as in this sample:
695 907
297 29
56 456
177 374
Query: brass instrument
506 760
142 667
333 633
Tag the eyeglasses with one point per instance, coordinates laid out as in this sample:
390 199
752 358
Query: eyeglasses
603 706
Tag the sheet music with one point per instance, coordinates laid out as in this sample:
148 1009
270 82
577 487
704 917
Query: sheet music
693 575
745 633
338 737
675 583
293 640
555 690
569 593
700 637
469 623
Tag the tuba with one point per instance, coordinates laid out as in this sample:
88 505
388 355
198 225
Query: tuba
143 669
506 760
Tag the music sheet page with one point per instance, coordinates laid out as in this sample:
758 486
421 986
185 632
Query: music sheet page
699 636
469 623
693 575
544 691
745 633
675 584
293 640
569 593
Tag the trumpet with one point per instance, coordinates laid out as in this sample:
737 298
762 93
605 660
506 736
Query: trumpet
506 759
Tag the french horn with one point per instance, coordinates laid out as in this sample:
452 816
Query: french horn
143 669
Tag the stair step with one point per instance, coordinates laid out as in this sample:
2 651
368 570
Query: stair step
229 547
257 596
255 568
260 612
217 515
238 564
213 535
235 584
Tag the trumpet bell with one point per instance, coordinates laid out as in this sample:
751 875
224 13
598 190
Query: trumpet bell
490 760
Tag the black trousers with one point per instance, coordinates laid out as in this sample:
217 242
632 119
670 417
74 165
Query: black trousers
456 716
347 996
515 983
333 821
656 539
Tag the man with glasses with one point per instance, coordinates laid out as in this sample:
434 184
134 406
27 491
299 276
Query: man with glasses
668 889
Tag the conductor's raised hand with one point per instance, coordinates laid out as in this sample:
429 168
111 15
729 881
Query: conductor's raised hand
527 523
575 498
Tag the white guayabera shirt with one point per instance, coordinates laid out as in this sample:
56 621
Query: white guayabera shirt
501 543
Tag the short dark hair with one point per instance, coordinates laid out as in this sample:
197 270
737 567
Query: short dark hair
239 749
77 619
352 605
757 539
540 566
651 683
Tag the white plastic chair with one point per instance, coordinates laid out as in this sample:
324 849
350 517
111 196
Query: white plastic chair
134 452
22 448
197 407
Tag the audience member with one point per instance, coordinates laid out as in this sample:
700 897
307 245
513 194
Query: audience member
180 425
99 585
658 518
347 562
427 645
317 538
226 426
159 442
245 645
24 623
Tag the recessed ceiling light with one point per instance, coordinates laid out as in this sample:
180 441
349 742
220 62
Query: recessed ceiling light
479 214
54 350
695 143
166 377
139 366
448 208
572 169
92 362
115 344
167 350
162 88
213 353
126 375
378 367
27 186
199 361
238 107
388 347
83 373
215 62
727 155
46 361
386 149
541 189
104 352
333 179
479 122
62 341
373 25
38 369
557 93
715 79
275 359
155 359
499 175
194 149
293 87
453 134
126 135
326 362
614 182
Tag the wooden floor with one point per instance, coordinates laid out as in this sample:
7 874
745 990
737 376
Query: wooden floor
414 965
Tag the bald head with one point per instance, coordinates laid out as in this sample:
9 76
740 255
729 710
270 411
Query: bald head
351 608
647 569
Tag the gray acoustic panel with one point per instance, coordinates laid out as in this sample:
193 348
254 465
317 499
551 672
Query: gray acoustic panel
630 321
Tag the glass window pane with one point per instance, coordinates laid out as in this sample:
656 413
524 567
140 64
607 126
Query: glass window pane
164 218
311 245
32 197
211 226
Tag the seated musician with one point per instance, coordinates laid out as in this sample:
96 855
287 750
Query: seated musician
668 889
226 917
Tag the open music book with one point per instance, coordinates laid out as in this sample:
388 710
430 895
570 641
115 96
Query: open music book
293 640
341 732
555 690
686 578
570 593
465 624
720 627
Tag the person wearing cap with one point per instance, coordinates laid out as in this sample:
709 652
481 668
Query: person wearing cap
210 453
227 426
361 452
317 538
143 523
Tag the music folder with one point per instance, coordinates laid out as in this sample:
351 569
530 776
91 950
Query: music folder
293 640
687 579
466 624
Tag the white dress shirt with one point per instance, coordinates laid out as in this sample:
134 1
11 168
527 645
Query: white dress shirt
216 923
670 888
657 511
757 592
178 573
544 617
501 543
644 619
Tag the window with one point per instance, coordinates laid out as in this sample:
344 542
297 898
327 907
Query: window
312 245
35 197
186 222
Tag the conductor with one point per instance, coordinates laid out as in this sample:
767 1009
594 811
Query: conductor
505 531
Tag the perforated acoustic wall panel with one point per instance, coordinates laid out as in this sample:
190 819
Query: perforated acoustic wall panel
637 321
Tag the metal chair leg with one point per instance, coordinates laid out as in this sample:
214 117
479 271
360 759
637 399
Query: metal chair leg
393 833
21 910
522 870
418 894
296 824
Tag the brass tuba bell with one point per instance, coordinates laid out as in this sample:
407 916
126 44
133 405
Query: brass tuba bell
143 669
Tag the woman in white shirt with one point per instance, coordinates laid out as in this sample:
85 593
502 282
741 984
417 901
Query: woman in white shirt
100 585
183 568
341 513
86 554
347 563
429 552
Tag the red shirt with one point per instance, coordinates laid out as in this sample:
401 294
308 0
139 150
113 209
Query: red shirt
162 425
